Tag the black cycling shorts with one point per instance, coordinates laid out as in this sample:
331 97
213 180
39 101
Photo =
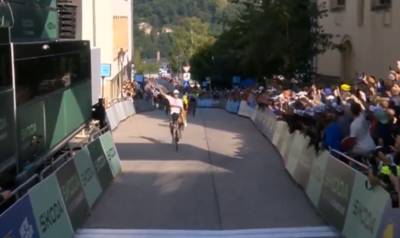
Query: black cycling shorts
174 117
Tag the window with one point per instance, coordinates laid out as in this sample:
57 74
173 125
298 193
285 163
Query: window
68 16
40 76
338 5
381 4
121 34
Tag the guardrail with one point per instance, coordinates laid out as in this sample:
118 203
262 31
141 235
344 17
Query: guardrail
68 187
335 189
351 160
60 203
120 111
15 193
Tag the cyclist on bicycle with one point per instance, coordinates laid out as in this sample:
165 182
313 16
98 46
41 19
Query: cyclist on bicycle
176 109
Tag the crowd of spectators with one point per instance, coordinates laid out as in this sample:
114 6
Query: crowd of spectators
360 120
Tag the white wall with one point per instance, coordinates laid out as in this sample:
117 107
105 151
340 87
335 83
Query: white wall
102 36
87 20
376 43
96 77
124 8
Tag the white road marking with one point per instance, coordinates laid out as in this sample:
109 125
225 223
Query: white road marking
302 232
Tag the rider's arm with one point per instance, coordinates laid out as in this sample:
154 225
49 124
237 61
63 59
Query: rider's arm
164 95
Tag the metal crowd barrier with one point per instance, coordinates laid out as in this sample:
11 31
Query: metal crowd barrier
68 187
120 110
58 204
335 188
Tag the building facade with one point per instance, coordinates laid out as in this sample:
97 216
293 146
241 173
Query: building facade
367 33
108 25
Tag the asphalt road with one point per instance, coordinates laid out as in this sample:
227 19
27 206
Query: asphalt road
225 176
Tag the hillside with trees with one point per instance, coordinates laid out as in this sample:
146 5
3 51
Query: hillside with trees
268 38
170 14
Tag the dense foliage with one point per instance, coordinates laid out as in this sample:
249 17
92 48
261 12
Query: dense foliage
191 36
269 37
170 13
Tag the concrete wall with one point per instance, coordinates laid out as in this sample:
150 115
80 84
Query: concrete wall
373 34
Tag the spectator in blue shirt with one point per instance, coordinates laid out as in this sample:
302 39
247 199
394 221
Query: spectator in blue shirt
332 135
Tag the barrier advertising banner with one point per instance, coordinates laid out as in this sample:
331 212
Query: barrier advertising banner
271 124
304 164
120 111
111 153
336 192
259 120
286 144
297 148
365 210
390 225
18 221
232 106
282 140
316 179
49 210
112 118
87 174
100 163
73 195
246 109
128 107
267 121
205 103
280 127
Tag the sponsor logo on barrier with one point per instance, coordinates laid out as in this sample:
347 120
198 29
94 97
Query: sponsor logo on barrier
72 191
364 215
100 163
50 211
71 187
338 186
317 174
18 221
298 143
88 177
111 153
316 179
336 191
303 169
50 216
365 210
26 229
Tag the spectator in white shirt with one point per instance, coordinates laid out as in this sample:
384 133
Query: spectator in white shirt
359 129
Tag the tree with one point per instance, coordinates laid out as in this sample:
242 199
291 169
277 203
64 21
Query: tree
169 13
143 67
190 37
271 37
138 62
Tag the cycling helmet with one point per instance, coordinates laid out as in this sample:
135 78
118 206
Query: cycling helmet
176 92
